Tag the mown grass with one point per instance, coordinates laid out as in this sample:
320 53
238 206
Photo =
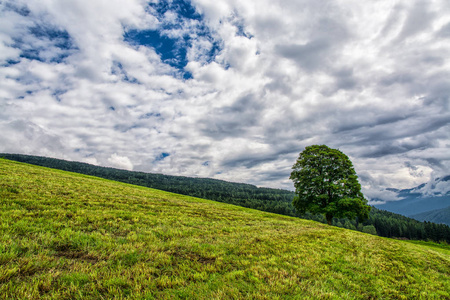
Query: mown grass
69 236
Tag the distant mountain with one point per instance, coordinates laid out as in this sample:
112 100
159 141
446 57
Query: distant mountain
430 196
438 216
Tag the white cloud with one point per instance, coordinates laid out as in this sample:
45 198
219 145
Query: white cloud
269 78
121 162
21 136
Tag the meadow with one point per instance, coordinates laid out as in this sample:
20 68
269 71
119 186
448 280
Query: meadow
71 236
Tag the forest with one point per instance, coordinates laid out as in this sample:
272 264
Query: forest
278 201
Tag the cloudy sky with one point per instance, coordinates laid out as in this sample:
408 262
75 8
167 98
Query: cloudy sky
230 89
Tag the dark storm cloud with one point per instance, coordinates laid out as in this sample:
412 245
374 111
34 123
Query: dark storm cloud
250 159
309 55
345 79
325 37
418 19
444 31
397 78
233 120
381 149
395 130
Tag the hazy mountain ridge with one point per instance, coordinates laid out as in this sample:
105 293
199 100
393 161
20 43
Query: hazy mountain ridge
439 186
423 200
438 216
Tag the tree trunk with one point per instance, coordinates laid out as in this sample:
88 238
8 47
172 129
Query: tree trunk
329 218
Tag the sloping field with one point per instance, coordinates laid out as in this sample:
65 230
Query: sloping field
69 236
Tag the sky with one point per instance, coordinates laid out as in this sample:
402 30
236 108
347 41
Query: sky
230 89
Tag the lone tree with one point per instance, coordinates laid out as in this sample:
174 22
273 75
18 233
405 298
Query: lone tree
326 183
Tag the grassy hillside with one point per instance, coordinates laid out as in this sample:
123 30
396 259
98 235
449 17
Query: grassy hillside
70 236
278 201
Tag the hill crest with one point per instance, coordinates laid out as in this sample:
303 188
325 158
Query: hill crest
246 195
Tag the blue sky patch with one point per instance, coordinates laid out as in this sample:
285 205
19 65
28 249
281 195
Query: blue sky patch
167 41
162 156
21 10
183 8
171 51
58 93
149 115
57 45
119 70
60 38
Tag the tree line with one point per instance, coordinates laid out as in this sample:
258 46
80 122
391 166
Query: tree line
278 201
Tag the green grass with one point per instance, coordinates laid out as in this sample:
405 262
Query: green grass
69 236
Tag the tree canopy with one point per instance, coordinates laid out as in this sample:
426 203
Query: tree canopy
326 183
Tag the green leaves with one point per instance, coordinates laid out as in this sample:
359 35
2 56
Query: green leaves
326 182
